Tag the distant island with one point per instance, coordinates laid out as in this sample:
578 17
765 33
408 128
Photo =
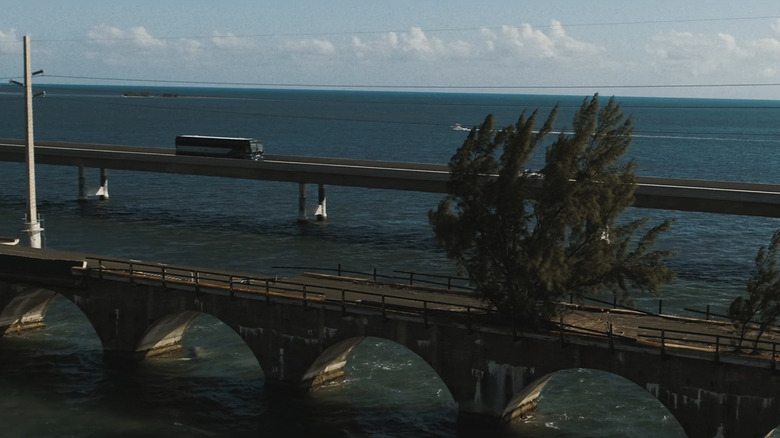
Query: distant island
148 94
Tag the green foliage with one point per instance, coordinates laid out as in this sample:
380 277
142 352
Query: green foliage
529 239
761 308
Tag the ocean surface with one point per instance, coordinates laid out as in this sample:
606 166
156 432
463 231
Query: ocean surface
54 382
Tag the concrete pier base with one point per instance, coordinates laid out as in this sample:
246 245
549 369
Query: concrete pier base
20 327
85 192
103 190
322 212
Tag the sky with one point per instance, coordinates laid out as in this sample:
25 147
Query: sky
692 48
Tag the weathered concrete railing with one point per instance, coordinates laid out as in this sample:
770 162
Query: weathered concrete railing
249 286
411 278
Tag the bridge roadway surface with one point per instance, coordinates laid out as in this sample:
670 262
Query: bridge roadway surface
662 193
692 334
689 336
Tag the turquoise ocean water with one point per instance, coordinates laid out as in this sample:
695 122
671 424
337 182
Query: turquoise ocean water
55 383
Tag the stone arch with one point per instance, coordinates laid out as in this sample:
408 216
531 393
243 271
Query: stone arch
331 363
773 432
26 309
374 375
329 366
526 400
165 334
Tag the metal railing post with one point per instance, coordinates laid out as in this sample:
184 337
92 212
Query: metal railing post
560 328
663 342
717 348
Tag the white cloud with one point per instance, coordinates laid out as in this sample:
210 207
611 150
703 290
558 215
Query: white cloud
414 44
310 47
526 42
136 46
9 42
231 41
418 44
697 54
134 37
189 46
766 47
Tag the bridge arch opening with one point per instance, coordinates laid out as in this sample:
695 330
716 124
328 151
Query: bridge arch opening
213 379
53 372
197 336
384 381
572 400
63 325
25 309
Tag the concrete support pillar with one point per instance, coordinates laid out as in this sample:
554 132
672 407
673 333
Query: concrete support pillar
83 193
302 203
103 191
322 212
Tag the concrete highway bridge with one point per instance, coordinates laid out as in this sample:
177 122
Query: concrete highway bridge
663 193
303 331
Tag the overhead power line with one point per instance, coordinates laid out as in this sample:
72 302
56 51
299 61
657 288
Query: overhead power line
421 87
432 30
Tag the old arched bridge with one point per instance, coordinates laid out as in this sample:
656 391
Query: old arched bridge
303 332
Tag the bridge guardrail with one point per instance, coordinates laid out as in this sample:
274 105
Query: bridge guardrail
709 342
449 282
273 287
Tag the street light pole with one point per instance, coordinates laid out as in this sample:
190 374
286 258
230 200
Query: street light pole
32 225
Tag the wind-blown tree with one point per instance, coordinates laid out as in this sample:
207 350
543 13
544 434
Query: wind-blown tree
761 308
530 239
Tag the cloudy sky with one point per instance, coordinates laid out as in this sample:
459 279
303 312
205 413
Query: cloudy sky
647 48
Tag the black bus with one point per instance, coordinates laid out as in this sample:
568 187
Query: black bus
221 147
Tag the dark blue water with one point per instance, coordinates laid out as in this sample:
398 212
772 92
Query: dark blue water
214 387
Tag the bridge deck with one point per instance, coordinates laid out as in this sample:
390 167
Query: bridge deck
577 323
644 329
664 193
